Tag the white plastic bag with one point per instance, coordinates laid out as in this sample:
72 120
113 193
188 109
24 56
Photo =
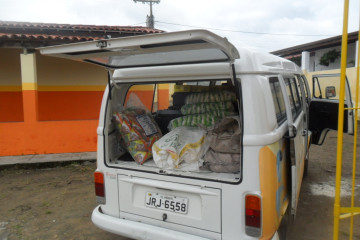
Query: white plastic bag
182 148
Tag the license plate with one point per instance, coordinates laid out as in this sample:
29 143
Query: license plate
166 202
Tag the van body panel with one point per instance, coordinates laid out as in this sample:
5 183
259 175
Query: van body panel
256 105
200 200
273 168
111 206
267 138
264 63
297 167
139 230
271 102
232 202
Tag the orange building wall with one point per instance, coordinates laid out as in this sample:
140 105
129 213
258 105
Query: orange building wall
69 90
146 95
35 137
11 108
69 105
163 96
60 112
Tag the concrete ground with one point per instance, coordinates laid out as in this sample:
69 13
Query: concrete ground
47 158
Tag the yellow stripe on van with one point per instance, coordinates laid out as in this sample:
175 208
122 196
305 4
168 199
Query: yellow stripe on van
274 147
268 186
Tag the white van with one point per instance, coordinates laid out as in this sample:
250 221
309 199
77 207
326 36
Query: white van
270 98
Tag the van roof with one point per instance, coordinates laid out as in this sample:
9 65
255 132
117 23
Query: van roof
254 61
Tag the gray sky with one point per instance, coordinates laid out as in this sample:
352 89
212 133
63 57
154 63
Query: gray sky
286 22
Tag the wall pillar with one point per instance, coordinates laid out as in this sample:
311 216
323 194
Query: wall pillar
305 61
29 86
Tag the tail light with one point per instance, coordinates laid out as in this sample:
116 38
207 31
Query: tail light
253 215
99 187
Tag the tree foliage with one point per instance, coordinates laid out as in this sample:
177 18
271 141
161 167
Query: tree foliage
329 57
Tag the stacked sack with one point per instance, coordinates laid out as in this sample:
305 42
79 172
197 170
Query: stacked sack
224 146
139 131
205 109
181 149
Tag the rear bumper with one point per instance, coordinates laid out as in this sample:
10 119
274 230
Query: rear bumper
137 230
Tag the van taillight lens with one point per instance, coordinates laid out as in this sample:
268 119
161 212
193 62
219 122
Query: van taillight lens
99 187
253 215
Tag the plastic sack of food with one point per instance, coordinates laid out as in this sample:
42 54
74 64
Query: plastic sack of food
138 129
181 148
215 96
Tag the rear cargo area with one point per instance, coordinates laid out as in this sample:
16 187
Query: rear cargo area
187 129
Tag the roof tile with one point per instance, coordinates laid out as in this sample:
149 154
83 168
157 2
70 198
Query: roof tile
78 26
55 33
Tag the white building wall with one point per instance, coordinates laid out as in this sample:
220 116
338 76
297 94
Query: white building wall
351 55
315 59
312 63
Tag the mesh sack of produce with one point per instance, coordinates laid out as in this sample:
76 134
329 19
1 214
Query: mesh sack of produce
181 149
204 107
204 120
215 96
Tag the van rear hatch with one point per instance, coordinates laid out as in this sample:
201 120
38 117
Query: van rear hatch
187 47
170 202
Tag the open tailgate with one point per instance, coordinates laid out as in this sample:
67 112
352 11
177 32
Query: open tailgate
186 47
